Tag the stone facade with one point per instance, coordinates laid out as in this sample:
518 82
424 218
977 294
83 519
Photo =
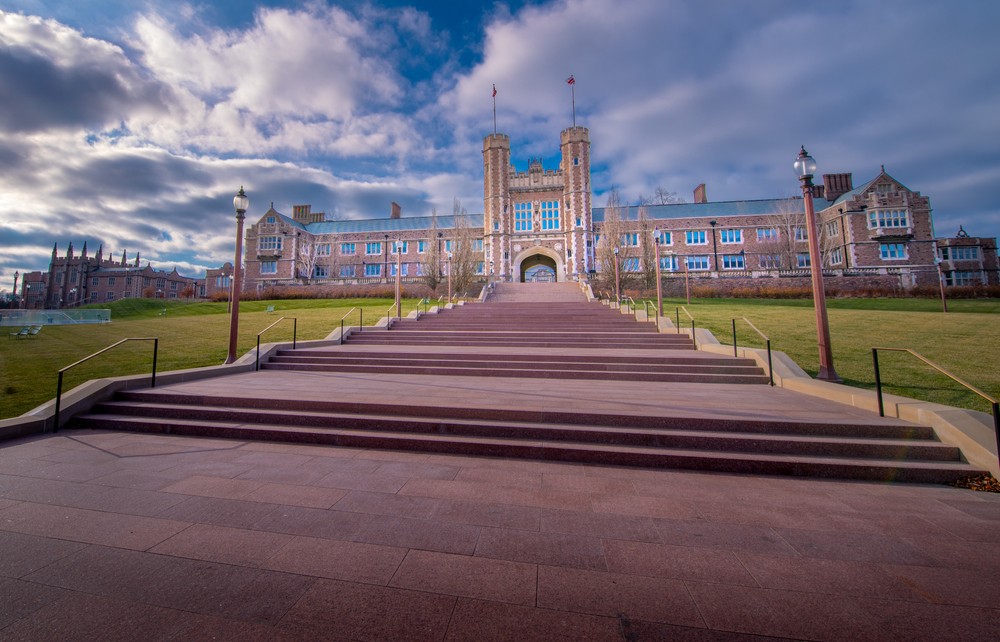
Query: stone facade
541 223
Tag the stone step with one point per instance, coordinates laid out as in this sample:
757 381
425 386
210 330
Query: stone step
507 355
868 468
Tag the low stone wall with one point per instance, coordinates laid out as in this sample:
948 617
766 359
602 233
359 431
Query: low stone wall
768 284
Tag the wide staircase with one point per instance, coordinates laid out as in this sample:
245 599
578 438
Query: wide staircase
542 331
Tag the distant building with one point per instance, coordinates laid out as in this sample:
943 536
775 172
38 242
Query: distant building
74 280
541 224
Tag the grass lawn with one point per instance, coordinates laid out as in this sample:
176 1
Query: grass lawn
190 335
964 341
197 334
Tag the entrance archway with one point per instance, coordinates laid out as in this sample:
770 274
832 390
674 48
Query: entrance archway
538 264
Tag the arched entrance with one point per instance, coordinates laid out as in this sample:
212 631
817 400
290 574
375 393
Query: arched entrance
538 264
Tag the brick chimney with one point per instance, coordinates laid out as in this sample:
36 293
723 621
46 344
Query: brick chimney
700 195
395 211
836 184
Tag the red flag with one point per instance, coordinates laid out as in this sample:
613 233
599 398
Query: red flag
494 91
571 80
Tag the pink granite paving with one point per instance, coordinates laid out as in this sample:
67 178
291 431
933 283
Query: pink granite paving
157 537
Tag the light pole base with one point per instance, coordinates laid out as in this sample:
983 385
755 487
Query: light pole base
828 374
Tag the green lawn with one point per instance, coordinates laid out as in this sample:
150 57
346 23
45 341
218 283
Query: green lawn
964 341
197 334
190 335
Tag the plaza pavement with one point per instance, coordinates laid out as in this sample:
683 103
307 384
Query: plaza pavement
122 536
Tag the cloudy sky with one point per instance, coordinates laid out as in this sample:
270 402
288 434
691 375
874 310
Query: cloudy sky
132 123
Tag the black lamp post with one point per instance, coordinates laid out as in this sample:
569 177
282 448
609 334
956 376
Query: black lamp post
399 276
449 277
240 203
805 167
385 268
618 294
715 246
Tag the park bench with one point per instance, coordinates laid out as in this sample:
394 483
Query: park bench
269 309
23 332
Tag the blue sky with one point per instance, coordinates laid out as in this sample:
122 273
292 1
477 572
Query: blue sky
133 123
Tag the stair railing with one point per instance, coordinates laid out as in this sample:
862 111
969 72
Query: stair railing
295 329
694 339
388 317
767 341
994 404
656 313
342 322
59 383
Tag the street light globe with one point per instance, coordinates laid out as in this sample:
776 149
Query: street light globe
804 165
616 250
240 202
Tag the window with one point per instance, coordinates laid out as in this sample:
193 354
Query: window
668 263
630 239
93 296
447 245
695 237
268 267
110 296
883 188
836 256
323 249
960 253
477 245
93 281
161 283
770 261
111 280
373 248
347 248
666 238
321 272
697 262
480 268
887 218
269 243
223 281
421 247
801 234
397 244
128 280
962 278
892 251
346 271
833 228
373 269
734 262
403 271
802 260
731 236
270 219
125 295
522 217
173 285
550 215
630 264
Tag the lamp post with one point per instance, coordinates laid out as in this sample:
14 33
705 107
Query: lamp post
399 273
805 167
449 277
715 247
13 292
618 294
659 284
491 272
385 269
240 203
940 271
687 281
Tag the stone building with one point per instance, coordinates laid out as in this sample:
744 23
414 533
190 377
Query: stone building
76 279
541 224
968 260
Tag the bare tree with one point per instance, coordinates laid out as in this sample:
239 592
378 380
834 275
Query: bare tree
430 265
789 223
665 197
308 257
465 259
612 234
647 247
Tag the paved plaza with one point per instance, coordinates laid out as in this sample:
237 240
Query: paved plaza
122 536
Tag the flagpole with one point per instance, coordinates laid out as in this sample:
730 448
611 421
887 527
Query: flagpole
494 110
571 81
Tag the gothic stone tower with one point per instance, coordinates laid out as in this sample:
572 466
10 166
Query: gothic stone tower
538 218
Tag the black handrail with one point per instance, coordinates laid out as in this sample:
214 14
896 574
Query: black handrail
342 322
767 340
694 339
994 404
295 329
59 383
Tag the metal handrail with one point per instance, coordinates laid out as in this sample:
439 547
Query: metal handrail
342 322
767 340
994 404
59 383
388 317
295 330
656 313
694 339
